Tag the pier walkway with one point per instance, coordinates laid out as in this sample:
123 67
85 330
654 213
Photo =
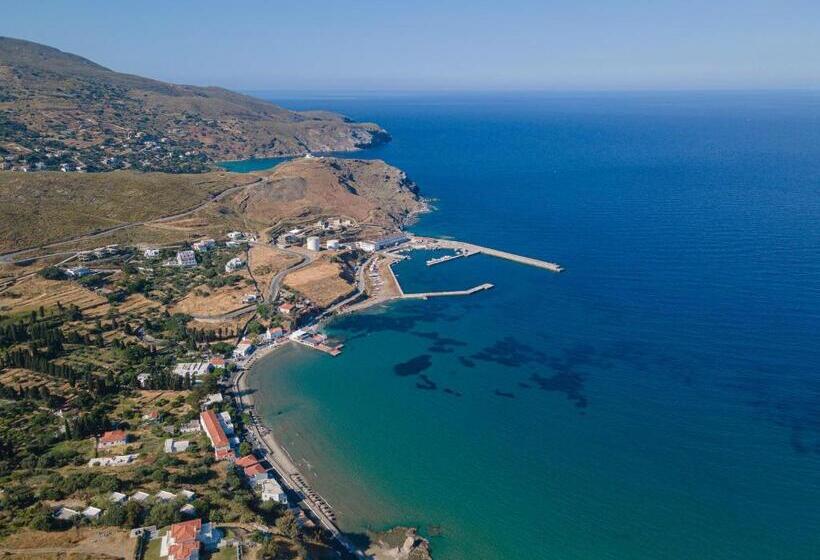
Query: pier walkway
425 295
470 249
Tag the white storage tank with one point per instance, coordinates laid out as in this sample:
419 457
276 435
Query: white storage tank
313 243
333 244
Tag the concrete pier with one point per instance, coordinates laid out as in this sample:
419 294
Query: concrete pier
470 249
425 295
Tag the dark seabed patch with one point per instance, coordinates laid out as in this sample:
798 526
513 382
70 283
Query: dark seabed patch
567 382
510 352
425 383
793 404
405 321
413 366
500 393
441 344
466 362
452 392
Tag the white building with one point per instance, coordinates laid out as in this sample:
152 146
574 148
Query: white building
117 497
313 243
92 512
183 540
383 243
186 258
151 253
139 496
273 334
272 491
204 245
243 349
66 514
143 379
211 399
191 427
193 369
332 244
176 446
78 272
235 235
116 461
234 264
368 246
165 496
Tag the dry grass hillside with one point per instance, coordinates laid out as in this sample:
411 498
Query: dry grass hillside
369 191
43 208
322 282
37 208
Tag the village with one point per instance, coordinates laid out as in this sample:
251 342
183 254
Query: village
175 327
164 336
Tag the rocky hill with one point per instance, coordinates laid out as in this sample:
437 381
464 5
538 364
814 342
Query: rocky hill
59 110
369 191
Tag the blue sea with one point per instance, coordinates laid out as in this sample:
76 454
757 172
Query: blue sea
660 399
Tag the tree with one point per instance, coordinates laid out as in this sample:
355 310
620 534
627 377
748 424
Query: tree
52 273
114 515
286 524
245 448
133 514
270 550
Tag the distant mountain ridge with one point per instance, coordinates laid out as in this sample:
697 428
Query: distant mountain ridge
61 110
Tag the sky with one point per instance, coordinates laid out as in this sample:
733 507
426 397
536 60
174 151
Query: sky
425 45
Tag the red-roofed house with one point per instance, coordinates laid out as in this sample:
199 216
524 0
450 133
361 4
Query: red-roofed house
246 461
218 362
183 540
256 473
112 439
213 429
225 454
286 308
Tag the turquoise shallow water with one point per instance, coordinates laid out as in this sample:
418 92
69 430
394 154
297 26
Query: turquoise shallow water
659 399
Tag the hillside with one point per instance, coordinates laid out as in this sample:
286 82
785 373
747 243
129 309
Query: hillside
61 110
47 207
369 191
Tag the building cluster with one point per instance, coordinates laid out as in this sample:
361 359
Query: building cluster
129 150
100 253
65 513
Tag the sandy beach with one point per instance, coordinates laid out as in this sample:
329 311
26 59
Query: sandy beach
275 453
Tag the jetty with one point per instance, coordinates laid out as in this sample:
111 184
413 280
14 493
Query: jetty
425 295
445 258
467 249
308 337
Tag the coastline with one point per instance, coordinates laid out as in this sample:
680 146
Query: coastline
276 453
396 543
